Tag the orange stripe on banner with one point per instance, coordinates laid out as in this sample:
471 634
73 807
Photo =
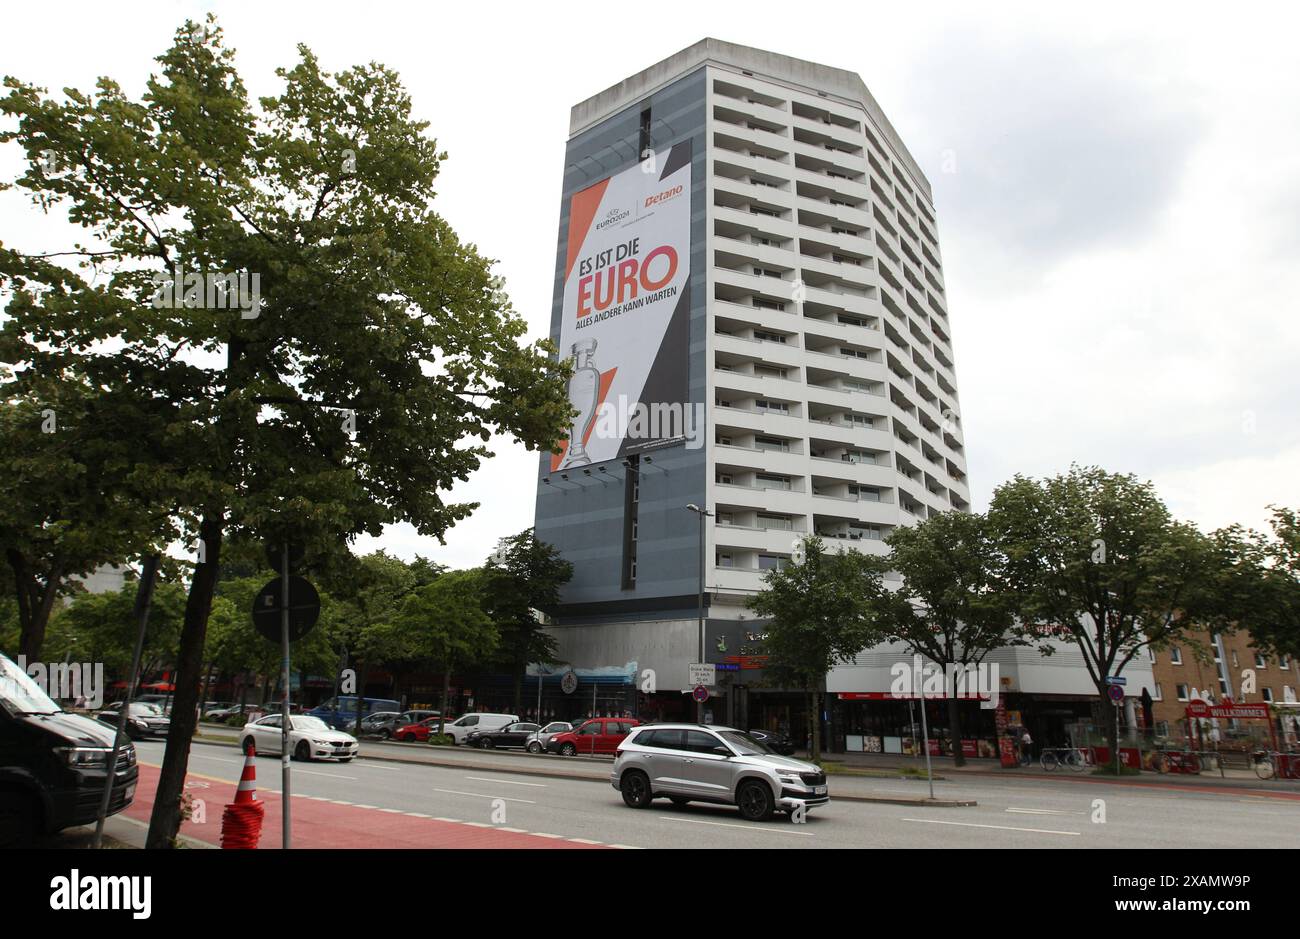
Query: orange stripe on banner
582 212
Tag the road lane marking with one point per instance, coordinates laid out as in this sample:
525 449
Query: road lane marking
309 772
417 815
773 831
1037 831
585 841
443 818
482 795
546 834
1017 811
627 847
506 782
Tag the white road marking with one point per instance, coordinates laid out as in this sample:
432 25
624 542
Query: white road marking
478 824
507 782
391 769
585 841
1016 811
517 831
362 805
309 772
626 847
417 815
443 818
772 831
544 834
481 795
1038 831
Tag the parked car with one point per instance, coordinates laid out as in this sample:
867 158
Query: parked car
143 719
774 741
463 726
721 765
341 712
310 738
511 736
53 765
421 731
224 713
162 701
537 741
209 706
597 735
385 723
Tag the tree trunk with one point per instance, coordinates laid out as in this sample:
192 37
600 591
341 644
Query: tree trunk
954 729
446 698
35 602
1112 731
165 822
364 675
815 718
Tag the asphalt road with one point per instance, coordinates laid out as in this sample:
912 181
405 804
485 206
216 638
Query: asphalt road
1055 813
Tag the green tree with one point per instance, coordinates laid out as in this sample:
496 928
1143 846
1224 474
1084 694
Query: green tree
1095 558
524 577
74 494
350 386
952 605
447 620
819 612
101 627
1263 582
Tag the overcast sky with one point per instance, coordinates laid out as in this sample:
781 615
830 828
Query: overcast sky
1118 198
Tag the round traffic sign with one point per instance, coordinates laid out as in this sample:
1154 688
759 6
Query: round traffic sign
304 608
569 682
1116 692
700 694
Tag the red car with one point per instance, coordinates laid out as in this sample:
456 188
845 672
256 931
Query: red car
409 733
598 735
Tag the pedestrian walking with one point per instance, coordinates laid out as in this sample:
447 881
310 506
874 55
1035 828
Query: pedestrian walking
1026 743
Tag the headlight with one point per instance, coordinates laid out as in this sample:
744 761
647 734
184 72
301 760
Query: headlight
789 777
83 757
142 725
321 743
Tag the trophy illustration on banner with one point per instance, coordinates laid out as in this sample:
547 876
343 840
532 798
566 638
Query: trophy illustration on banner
584 395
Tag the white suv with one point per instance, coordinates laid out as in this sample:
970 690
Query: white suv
703 763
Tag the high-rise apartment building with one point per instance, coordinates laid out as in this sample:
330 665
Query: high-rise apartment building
750 285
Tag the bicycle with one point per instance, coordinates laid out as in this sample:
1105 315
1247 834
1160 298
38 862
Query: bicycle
1263 763
1074 757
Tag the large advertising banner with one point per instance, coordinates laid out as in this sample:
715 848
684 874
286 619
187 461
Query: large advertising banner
625 320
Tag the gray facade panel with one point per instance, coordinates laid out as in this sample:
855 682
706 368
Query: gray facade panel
583 515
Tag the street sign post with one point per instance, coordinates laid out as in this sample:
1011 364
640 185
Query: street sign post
702 674
700 694
1116 680
284 610
1116 693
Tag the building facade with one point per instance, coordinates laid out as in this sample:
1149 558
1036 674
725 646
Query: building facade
1219 667
743 238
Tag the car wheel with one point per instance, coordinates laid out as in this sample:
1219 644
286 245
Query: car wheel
19 814
408 738
246 744
385 734
755 801
569 750
679 802
534 747
635 786
302 751
486 743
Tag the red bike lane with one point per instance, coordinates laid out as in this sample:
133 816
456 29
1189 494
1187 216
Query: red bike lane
324 824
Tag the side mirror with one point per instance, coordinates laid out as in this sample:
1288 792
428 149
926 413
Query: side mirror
721 751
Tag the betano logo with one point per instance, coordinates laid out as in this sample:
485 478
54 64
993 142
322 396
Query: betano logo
663 196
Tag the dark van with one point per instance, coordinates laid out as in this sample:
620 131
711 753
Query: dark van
341 712
53 765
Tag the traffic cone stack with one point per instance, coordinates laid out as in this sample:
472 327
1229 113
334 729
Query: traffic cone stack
241 823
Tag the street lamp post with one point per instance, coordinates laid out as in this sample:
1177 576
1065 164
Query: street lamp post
703 513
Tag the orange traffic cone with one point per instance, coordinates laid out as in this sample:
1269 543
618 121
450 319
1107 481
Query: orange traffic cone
241 823
248 781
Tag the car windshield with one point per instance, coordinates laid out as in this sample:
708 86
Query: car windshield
146 709
744 744
309 723
20 694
